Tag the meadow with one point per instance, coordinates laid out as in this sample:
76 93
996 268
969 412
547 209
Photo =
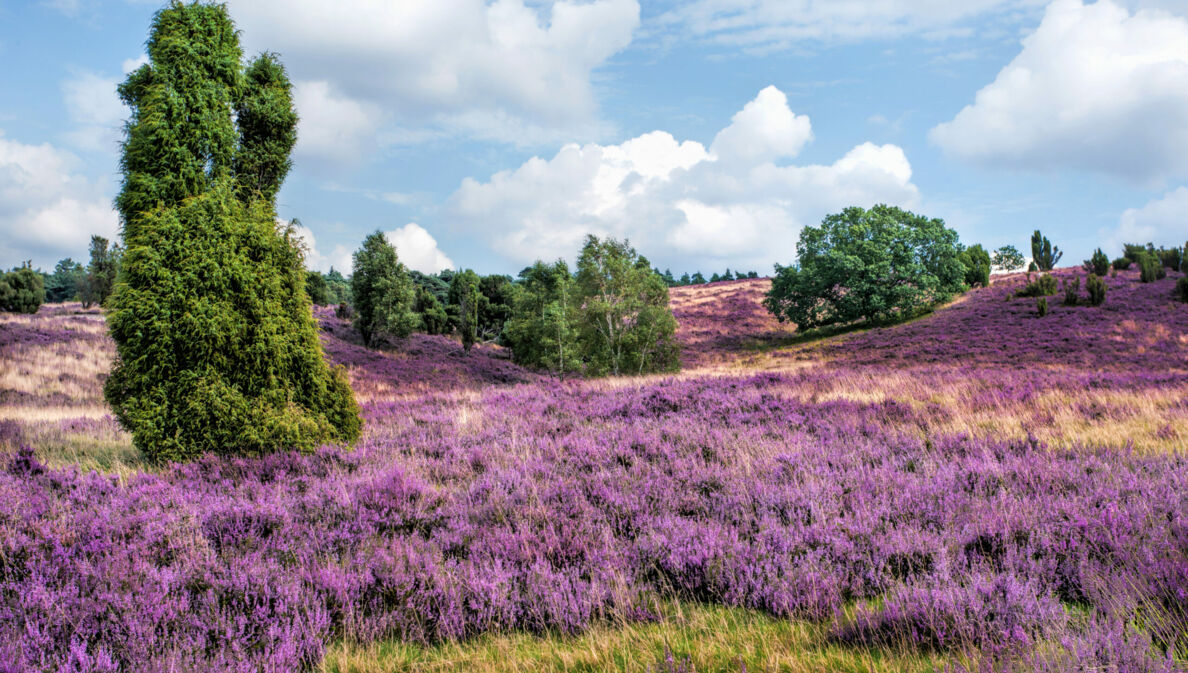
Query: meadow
978 489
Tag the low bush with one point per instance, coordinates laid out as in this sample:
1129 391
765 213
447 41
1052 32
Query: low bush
1150 268
1121 264
22 290
1182 288
1072 287
1098 264
1041 305
1044 286
1096 287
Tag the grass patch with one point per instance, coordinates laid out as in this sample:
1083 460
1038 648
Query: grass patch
711 638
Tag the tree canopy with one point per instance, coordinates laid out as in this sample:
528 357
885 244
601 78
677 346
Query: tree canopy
381 291
877 265
217 349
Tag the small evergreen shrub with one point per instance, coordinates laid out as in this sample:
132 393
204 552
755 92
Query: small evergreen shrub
1151 269
1096 287
1121 264
1098 264
1044 286
1071 288
1170 258
22 290
1182 288
1041 306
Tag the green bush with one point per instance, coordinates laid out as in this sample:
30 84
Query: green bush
1044 286
1150 268
1041 305
1121 264
217 348
1098 264
22 290
976 261
1072 288
877 265
1096 287
1182 288
1045 255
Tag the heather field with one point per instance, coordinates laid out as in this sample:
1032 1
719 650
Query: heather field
979 489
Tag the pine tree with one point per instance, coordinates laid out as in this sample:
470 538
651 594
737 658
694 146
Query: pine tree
217 347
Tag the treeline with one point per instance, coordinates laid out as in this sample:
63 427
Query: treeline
610 316
24 289
698 279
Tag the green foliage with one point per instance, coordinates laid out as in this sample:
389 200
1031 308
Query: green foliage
976 261
1072 288
624 321
494 305
64 283
697 279
1121 263
1150 268
1171 258
1043 253
543 328
877 265
1134 251
1041 306
1098 264
1008 258
22 290
1096 287
217 347
316 288
99 281
432 314
337 287
381 292
465 295
1044 286
1182 288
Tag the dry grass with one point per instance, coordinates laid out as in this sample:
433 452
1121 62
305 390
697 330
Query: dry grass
711 638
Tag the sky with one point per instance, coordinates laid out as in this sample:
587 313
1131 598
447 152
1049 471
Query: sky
487 135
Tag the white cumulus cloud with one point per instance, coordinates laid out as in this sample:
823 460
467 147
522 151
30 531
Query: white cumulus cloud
417 249
48 210
507 70
1094 88
339 258
1161 222
680 203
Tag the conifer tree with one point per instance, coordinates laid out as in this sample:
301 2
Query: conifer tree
217 347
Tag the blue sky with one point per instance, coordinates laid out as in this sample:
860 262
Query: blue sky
488 134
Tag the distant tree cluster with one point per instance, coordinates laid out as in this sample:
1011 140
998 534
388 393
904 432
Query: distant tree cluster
698 279
610 317
876 265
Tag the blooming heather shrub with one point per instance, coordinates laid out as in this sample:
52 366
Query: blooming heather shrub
1041 306
1096 287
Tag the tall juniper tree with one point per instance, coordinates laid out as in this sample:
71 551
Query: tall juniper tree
217 347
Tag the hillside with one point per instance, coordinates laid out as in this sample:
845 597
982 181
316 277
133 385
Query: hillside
971 482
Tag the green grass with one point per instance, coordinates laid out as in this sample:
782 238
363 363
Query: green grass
713 638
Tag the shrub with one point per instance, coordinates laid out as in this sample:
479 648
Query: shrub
316 288
1044 286
1041 306
434 319
381 292
976 261
99 281
1096 287
466 299
876 265
217 349
1122 263
64 283
1182 288
1072 287
22 290
543 328
1045 255
1171 258
1150 268
1098 264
